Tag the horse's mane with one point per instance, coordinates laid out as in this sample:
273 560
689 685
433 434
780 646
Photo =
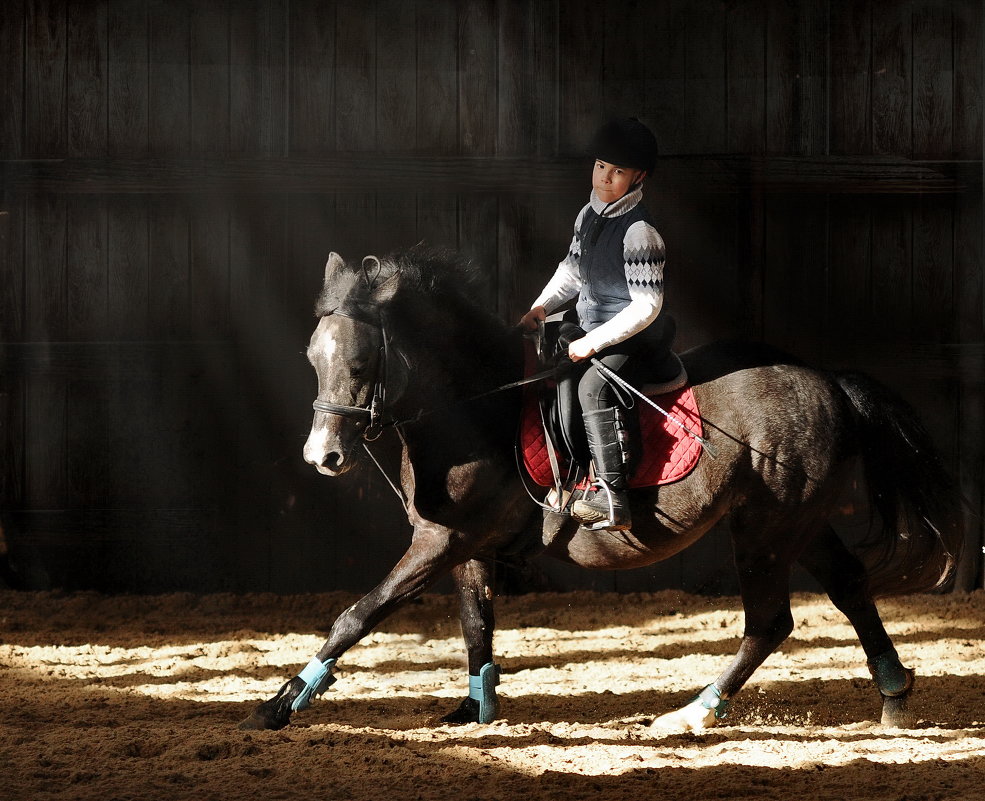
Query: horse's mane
423 270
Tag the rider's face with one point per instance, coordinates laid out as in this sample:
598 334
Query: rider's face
611 181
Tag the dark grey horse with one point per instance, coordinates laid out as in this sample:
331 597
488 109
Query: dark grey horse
402 343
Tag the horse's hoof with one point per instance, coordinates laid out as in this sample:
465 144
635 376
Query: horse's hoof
467 712
896 712
693 717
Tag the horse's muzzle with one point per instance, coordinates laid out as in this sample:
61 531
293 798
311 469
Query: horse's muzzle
326 453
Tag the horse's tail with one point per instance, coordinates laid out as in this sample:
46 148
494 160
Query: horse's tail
919 542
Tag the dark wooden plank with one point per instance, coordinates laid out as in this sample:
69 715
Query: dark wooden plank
86 76
127 268
355 76
707 283
527 78
353 234
44 269
626 61
258 78
933 81
892 277
849 317
478 239
13 20
477 49
795 292
437 219
398 214
12 271
210 77
127 87
969 253
12 443
746 77
851 78
315 228
892 78
396 75
705 112
933 270
257 238
516 120
437 76
371 171
312 108
45 413
169 78
969 55
86 297
209 268
750 239
666 24
581 80
516 235
45 128
169 273
796 102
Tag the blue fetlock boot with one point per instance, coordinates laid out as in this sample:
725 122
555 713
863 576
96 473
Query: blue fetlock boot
317 677
482 688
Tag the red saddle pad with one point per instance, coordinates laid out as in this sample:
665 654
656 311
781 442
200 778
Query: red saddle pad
668 452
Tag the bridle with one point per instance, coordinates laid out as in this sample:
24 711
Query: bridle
372 414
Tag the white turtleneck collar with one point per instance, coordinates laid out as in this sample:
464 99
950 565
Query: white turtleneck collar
618 207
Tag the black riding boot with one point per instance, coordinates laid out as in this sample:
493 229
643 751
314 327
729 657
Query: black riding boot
606 505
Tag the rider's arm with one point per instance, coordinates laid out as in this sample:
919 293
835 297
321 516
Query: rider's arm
644 255
566 281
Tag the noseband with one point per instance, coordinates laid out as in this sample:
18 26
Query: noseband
372 414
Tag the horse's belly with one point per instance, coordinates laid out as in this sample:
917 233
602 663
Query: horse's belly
618 550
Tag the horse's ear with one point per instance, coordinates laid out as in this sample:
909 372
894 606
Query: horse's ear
380 276
334 263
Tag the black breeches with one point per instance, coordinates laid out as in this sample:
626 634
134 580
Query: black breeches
628 358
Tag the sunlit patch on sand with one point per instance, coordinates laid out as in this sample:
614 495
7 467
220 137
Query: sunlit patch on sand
91 707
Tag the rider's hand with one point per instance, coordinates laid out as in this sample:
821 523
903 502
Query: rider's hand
580 349
531 318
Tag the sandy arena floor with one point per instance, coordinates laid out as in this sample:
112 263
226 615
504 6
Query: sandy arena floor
139 697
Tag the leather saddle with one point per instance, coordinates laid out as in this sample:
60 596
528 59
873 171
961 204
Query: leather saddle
655 371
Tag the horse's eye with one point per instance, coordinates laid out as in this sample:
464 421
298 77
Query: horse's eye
358 369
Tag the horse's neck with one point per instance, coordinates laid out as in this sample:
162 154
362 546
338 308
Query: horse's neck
447 373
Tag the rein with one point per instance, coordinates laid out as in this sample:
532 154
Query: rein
374 413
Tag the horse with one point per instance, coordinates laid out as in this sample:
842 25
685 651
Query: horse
404 350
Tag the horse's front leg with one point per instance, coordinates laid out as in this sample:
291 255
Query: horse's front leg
474 582
431 555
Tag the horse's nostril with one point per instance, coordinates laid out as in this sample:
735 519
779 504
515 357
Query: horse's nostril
333 460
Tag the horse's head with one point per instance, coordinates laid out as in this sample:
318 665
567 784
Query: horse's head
348 353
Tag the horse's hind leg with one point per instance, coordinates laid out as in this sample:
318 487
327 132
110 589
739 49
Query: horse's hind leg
474 583
764 584
844 579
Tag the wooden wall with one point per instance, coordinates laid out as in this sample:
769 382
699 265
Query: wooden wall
174 174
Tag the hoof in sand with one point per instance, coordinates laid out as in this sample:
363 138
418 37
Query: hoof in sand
693 717
896 713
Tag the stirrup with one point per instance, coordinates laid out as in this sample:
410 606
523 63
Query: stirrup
608 522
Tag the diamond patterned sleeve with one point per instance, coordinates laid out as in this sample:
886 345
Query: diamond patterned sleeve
644 255
566 281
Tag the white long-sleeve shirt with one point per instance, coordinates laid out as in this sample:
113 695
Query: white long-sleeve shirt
642 255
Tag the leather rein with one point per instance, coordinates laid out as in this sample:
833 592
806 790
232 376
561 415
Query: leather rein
374 414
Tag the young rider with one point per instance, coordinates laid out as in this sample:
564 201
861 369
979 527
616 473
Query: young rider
614 267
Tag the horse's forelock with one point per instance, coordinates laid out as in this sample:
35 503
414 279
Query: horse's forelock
424 271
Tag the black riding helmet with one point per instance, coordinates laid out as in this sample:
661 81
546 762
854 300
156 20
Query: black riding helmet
625 142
